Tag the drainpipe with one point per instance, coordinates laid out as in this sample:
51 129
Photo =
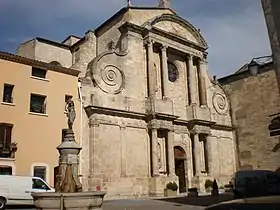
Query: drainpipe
81 123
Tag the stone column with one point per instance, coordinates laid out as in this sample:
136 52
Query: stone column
191 80
155 169
93 138
123 148
170 155
197 155
202 75
164 72
151 73
210 157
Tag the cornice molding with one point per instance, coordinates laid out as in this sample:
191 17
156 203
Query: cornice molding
39 64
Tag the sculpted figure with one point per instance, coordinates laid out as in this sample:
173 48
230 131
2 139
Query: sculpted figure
159 155
71 114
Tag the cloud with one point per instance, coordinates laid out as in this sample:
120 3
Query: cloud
234 29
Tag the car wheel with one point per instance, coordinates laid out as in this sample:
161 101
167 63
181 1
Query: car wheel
2 203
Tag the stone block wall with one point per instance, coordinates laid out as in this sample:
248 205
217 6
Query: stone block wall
253 100
120 156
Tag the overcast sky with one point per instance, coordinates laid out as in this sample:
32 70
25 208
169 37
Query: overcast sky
235 30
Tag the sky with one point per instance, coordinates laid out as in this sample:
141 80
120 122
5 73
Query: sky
235 30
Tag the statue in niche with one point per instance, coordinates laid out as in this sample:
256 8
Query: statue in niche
71 114
159 155
155 76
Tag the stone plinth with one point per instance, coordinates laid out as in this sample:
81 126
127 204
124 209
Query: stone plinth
69 154
68 201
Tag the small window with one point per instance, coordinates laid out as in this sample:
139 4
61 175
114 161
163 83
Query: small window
38 103
8 93
40 171
6 170
5 138
173 73
67 98
37 72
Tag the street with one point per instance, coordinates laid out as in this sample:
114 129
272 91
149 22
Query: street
187 203
136 205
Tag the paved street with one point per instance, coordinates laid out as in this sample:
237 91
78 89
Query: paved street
186 203
136 205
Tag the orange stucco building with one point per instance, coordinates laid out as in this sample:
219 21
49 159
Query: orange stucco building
32 114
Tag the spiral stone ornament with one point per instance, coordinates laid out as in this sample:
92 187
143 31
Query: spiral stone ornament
220 103
110 79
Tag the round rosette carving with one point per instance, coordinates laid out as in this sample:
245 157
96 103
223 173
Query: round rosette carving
220 103
110 79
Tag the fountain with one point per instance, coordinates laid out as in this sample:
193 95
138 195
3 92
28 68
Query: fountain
68 193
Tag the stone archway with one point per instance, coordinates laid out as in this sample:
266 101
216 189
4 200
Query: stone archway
180 169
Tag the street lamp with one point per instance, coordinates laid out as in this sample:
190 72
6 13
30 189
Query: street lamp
253 67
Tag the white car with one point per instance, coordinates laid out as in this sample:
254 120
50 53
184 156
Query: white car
16 190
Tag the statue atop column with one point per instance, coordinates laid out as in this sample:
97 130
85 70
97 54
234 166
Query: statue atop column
71 114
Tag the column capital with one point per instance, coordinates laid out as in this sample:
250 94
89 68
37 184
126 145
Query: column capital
163 47
201 60
189 56
94 123
149 42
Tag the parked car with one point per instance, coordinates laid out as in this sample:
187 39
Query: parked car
261 203
254 183
16 190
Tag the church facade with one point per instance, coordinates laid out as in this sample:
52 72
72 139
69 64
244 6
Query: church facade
151 113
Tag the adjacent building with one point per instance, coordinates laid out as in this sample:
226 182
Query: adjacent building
33 96
151 114
255 101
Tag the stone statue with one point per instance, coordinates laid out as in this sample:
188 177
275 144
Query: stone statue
71 114
159 155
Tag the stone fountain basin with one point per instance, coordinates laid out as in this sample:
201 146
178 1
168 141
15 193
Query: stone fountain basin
80 200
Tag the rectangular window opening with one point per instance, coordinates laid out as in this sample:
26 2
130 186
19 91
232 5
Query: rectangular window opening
5 140
8 93
38 103
37 72
40 171
6 170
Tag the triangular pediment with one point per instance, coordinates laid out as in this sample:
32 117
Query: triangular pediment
176 25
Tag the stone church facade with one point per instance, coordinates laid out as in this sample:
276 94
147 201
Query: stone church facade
151 112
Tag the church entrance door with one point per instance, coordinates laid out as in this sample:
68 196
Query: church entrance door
180 159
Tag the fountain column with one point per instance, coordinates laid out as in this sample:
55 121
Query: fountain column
68 193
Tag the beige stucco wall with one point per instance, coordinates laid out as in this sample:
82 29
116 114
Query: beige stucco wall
37 136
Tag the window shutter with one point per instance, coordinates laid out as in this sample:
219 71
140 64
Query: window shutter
2 136
8 138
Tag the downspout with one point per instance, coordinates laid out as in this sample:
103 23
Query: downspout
81 123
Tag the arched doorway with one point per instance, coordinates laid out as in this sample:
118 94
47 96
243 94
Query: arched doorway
180 171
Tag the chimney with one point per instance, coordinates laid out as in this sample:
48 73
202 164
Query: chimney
164 4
